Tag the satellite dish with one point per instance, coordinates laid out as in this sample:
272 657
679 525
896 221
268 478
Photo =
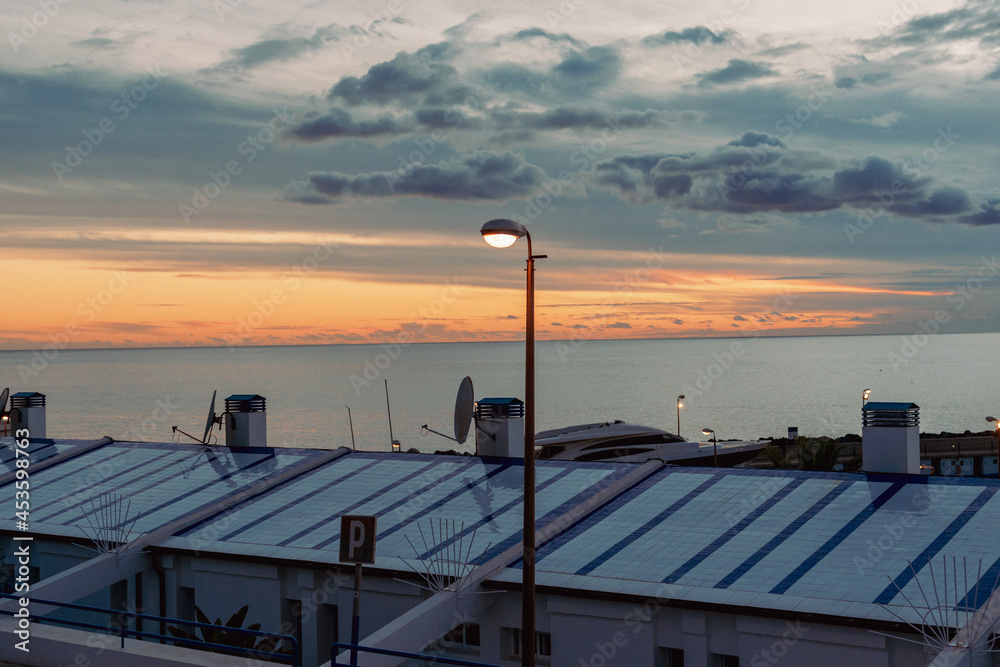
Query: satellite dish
464 403
463 413
213 419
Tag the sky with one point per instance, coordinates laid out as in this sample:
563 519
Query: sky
233 172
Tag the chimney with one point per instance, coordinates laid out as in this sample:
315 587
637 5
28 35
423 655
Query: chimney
500 427
247 423
890 437
27 412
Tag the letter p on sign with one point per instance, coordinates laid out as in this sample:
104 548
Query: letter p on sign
357 539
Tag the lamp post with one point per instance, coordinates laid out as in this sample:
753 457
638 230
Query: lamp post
502 233
715 451
997 431
680 405
864 396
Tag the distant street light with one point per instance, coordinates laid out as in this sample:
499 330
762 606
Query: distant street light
680 405
864 396
502 233
715 451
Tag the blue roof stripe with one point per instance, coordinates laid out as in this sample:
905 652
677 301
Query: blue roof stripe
347 510
198 489
655 521
904 577
601 484
292 503
409 498
117 474
493 515
983 589
718 542
34 447
787 532
832 543
69 468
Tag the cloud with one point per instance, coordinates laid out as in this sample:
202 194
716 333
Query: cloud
338 123
988 214
283 49
760 173
418 78
619 325
859 79
533 33
697 35
736 71
477 176
973 21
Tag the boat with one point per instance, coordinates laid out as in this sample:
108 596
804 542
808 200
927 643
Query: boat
620 441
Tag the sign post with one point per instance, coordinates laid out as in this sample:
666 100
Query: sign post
357 545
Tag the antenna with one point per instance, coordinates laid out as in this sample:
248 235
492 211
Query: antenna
395 443
464 404
351 422
207 439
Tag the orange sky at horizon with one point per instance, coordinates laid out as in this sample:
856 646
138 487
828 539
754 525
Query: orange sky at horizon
94 304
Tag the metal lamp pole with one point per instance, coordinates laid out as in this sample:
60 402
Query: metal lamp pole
715 451
503 233
679 406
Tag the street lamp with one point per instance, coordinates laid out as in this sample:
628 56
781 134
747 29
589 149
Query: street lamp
864 396
997 431
502 233
715 450
680 405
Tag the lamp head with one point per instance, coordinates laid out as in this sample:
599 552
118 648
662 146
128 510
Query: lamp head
502 233
866 394
707 431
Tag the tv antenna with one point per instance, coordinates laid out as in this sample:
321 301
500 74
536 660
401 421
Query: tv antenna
4 415
464 402
209 438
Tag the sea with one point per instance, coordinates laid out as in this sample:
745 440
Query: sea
364 396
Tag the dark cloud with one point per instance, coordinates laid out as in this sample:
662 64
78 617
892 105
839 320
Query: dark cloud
866 78
736 71
993 76
988 214
563 118
420 78
760 173
973 21
478 176
338 123
585 70
697 35
283 49
533 33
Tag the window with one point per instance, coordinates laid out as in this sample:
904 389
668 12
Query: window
720 660
465 635
669 657
543 643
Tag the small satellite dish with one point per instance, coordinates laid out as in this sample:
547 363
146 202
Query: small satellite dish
207 439
464 403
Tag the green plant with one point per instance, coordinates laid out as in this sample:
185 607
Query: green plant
221 636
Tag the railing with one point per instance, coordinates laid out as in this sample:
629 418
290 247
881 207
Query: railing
399 654
123 631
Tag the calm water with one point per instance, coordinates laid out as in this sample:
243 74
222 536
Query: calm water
742 388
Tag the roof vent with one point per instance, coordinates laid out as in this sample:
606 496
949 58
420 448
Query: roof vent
247 423
27 412
890 437
500 427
